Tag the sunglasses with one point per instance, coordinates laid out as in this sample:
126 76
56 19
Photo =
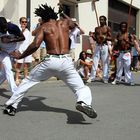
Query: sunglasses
23 21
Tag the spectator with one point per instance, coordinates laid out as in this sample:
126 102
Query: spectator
84 64
102 49
92 41
124 58
134 53
75 31
22 46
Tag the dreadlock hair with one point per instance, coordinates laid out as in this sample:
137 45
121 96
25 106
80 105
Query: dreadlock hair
103 18
45 12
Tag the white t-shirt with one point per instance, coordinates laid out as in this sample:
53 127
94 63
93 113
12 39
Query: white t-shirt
73 36
22 45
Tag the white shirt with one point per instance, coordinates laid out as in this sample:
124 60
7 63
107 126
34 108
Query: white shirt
73 36
22 45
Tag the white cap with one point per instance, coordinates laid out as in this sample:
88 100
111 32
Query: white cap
88 51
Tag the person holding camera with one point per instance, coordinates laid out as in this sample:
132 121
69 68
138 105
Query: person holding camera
75 31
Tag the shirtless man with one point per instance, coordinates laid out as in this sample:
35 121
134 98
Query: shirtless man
57 63
102 49
123 45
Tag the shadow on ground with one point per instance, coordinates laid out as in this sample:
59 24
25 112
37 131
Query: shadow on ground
34 103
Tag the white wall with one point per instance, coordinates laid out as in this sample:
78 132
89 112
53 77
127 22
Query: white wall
9 9
13 9
87 16
1 7
21 9
135 3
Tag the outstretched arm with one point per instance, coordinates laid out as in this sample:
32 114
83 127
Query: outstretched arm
81 30
31 48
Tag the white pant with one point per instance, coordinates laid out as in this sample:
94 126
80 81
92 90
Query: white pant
101 52
6 71
63 68
124 63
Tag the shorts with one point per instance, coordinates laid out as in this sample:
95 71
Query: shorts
27 59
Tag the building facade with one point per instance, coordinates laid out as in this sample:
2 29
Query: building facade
116 11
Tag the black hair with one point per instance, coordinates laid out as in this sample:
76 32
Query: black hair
122 24
20 19
46 12
2 21
81 55
3 24
103 17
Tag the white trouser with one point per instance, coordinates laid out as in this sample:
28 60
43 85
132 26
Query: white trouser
124 63
6 71
63 68
101 52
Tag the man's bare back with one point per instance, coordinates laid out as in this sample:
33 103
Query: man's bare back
56 36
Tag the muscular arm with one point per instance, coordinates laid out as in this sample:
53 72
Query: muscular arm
32 47
35 31
81 30
15 34
17 38
11 38
35 44
70 22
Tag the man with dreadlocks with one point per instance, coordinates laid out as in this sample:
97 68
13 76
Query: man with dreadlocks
102 49
57 62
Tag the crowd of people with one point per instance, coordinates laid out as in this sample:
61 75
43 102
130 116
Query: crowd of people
59 41
121 51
